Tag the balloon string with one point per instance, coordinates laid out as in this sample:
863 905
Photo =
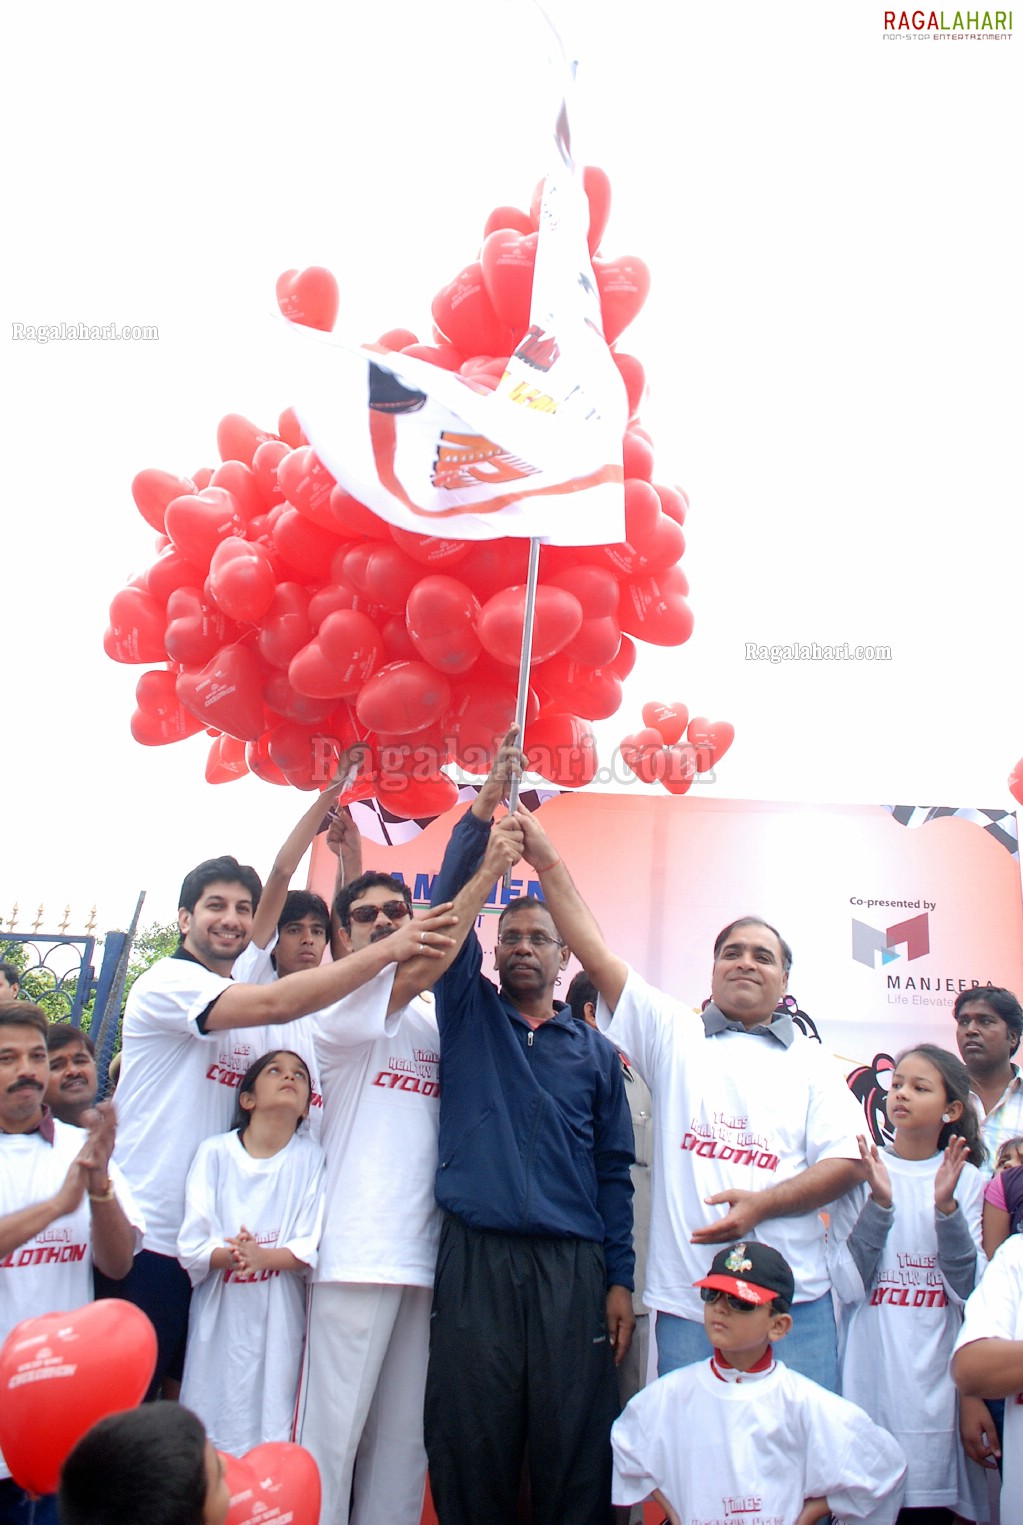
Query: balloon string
532 576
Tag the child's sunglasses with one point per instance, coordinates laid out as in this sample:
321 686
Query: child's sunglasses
711 1295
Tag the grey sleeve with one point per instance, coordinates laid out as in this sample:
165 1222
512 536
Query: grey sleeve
957 1253
868 1238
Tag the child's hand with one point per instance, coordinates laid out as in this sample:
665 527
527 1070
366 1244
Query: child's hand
949 1171
247 1254
875 1173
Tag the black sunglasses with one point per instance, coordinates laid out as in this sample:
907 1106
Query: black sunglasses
394 910
711 1295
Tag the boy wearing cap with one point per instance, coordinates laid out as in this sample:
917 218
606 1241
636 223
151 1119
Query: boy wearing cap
741 1437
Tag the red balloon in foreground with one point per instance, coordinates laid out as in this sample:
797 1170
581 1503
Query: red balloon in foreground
62 1372
276 1481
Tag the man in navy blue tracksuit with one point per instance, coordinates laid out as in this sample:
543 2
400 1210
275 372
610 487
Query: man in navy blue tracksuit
533 1295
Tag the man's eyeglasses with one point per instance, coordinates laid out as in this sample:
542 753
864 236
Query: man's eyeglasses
534 939
394 910
711 1295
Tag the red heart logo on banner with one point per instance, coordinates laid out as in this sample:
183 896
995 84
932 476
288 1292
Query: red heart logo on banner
670 720
228 694
277 1481
624 285
711 740
159 717
309 297
62 1372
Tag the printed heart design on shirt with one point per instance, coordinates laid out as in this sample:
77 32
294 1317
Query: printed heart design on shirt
277 1481
61 1373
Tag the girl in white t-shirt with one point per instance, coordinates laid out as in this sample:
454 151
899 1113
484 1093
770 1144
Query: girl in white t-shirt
904 1260
253 1215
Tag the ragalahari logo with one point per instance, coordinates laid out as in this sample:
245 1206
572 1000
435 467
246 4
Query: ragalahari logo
868 941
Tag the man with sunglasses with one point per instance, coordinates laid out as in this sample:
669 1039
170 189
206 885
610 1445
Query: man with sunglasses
533 1295
360 1403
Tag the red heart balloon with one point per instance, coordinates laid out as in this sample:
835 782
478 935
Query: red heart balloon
624 285
596 643
301 752
309 297
196 628
415 798
508 260
598 193
680 768
285 627
634 376
465 316
136 629
668 720
159 717
264 468
625 661
257 761
243 485
440 617
561 748
384 573
643 752
637 456
673 502
402 698
338 594
595 693
397 339
228 693
443 355
493 565
153 490
429 550
307 484
226 760
238 439
276 1482
290 429
351 643
169 571
60 1374
557 617
353 520
289 704
654 608
652 540
1016 782
596 588
242 580
508 217
711 740
304 547
198 522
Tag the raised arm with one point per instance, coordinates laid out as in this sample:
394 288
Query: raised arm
427 937
503 851
285 865
572 916
344 839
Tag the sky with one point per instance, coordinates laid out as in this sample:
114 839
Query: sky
831 343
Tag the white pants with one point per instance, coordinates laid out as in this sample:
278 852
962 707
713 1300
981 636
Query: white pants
360 1400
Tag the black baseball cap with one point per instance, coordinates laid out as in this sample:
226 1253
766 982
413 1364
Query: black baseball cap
754 1272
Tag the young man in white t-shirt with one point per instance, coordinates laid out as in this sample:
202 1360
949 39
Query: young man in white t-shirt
752 1119
189 1036
63 1205
360 1404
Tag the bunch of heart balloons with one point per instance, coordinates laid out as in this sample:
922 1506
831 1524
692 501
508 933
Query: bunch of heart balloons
292 624
658 754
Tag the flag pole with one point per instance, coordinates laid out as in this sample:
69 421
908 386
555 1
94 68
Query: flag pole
532 577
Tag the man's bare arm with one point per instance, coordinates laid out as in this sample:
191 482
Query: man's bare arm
989 1368
504 850
285 865
309 990
572 916
344 839
812 1188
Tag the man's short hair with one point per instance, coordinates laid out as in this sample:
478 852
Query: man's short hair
348 894
1000 1000
10 973
300 903
581 992
754 921
24 1014
225 870
62 1035
148 1464
523 903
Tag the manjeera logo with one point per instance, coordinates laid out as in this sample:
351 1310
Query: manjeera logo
947 26
913 936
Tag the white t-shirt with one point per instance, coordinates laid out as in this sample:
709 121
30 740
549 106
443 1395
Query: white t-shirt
245 1338
177 1087
381 1120
896 1336
750 1452
735 1110
51 1272
254 966
995 1312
